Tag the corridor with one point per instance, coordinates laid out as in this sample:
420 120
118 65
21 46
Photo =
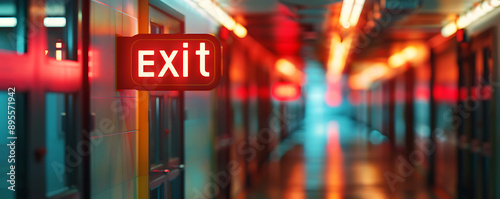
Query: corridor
337 158
249 99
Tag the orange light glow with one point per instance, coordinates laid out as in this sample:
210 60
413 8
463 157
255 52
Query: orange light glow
286 67
215 11
58 51
397 60
338 56
358 82
335 48
376 71
364 79
240 31
286 91
334 177
410 52
93 56
46 51
449 29
295 185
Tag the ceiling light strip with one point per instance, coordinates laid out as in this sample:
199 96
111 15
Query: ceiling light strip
467 18
356 12
345 13
8 22
54 22
222 17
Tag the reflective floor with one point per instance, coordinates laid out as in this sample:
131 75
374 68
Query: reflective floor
332 157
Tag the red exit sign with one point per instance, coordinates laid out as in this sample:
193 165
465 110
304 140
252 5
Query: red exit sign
168 62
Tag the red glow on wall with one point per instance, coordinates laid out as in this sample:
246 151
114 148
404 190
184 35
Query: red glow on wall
286 91
93 63
460 35
486 92
480 93
334 176
463 93
447 94
333 98
422 93
224 33
240 93
264 92
355 97
35 70
333 95
253 91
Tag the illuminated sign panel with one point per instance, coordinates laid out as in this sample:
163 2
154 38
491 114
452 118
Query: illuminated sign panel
168 62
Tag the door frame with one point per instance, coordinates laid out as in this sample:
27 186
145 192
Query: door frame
143 167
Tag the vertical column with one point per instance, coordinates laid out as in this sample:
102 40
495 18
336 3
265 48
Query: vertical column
432 119
84 98
464 79
369 107
494 135
35 135
143 116
391 122
21 15
409 112
182 115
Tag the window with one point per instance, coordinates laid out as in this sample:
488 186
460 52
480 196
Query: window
157 193
61 24
161 20
165 122
13 25
60 172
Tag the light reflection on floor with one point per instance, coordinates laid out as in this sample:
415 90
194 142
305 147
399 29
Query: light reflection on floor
334 161
331 157
334 178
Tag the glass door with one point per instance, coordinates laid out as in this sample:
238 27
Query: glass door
165 145
165 124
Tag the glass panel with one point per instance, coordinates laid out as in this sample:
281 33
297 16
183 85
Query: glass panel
61 24
164 119
156 28
152 130
170 25
174 134
164 113
155 131
157 193
55 123
5 149
12 25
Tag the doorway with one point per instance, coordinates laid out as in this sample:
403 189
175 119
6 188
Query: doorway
166 143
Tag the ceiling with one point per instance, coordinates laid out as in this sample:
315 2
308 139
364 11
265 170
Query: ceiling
283 26
419 24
